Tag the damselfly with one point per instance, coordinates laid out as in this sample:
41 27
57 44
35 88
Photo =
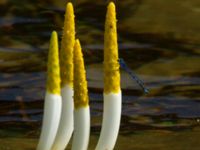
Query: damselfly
133 75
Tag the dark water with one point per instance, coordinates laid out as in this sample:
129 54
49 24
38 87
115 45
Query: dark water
159 40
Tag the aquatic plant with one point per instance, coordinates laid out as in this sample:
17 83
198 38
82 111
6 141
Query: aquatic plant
73 74
52 103
66 125
81 104
112 91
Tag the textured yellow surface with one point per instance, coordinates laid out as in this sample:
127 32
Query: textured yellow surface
67 46
53 69
80 83
111 65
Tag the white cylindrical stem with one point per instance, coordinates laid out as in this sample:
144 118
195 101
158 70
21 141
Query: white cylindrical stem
111 121
66 125
81 128
51 119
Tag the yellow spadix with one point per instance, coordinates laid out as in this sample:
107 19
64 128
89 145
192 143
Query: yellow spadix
80 83
67 46
111 65
53 68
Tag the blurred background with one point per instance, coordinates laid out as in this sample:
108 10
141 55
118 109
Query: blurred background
158 39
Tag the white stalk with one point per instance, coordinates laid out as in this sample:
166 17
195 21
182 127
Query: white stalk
111 121
81 128
51 118
66 125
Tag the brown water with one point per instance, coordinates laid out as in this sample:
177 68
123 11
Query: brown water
158 39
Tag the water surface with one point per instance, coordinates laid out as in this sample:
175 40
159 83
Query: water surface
159 40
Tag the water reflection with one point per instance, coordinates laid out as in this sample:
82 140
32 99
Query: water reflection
159 40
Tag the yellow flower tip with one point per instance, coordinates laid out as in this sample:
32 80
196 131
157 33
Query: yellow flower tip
53 70
69 7
54 35
111 13
67 46
80 83
111 65
111 6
